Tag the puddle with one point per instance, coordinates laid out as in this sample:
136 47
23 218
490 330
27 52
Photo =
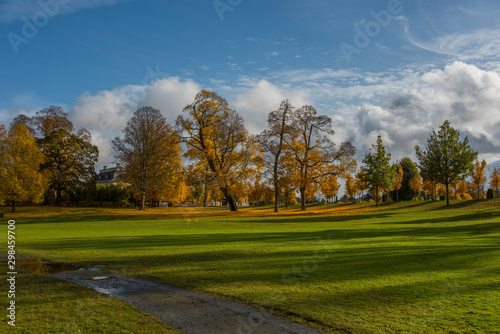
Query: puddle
189 311
95 278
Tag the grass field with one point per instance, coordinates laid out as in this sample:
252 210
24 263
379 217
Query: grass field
415 267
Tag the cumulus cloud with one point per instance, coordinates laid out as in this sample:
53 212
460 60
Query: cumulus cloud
107 110
170 96
105 114
257 102
464 94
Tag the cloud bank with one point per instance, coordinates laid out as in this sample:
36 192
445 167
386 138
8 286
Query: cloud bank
402 108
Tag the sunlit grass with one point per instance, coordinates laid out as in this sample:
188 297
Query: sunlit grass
410 267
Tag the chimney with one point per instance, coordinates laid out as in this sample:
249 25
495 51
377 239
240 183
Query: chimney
105 167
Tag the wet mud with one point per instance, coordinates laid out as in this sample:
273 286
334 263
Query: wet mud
190 312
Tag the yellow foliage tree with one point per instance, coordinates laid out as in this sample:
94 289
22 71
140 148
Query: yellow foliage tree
315 155
216 137
151 155
416 183
398 181
462 188
478 176
495 180
20 160
330 186
272 143
360 183
350 186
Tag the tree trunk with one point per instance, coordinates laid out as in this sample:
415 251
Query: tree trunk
205 195
232 203
13 206
58 196
447 194
397 196
303 199
229 199
143 203
276 199
376 195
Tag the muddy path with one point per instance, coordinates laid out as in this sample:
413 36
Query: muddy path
190 312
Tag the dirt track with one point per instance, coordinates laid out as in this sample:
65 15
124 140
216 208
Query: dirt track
188 311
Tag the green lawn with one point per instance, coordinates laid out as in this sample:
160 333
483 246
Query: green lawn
415 267
47 305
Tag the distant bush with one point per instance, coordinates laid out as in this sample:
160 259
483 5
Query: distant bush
466 197
490 194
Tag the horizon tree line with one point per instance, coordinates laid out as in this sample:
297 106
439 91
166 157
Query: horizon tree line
222 160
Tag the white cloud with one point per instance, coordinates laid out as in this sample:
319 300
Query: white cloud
476 44
255 103
170 95
467 96
106 113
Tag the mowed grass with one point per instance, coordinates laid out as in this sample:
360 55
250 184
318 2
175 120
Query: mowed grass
48 305
415 267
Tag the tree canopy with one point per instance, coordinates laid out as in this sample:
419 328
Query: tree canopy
315 154
150 154
20 160
446 159
378 172
216 136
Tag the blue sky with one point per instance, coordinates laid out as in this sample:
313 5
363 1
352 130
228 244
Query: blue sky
395 68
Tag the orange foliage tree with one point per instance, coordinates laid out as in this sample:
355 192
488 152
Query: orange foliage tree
478 175
216 137
495 180
315 155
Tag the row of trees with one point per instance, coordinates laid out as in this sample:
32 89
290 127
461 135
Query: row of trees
42 157
446 161
295 152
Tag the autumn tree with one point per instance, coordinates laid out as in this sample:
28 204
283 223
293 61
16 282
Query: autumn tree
315 154
416 184
378 172
69 157
462 187
272 143
50 119
149 152
478 175
398 180
28 122
216 136
329 186
360 183
446 159
495 180
350 186
199 176
256 191
20 160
